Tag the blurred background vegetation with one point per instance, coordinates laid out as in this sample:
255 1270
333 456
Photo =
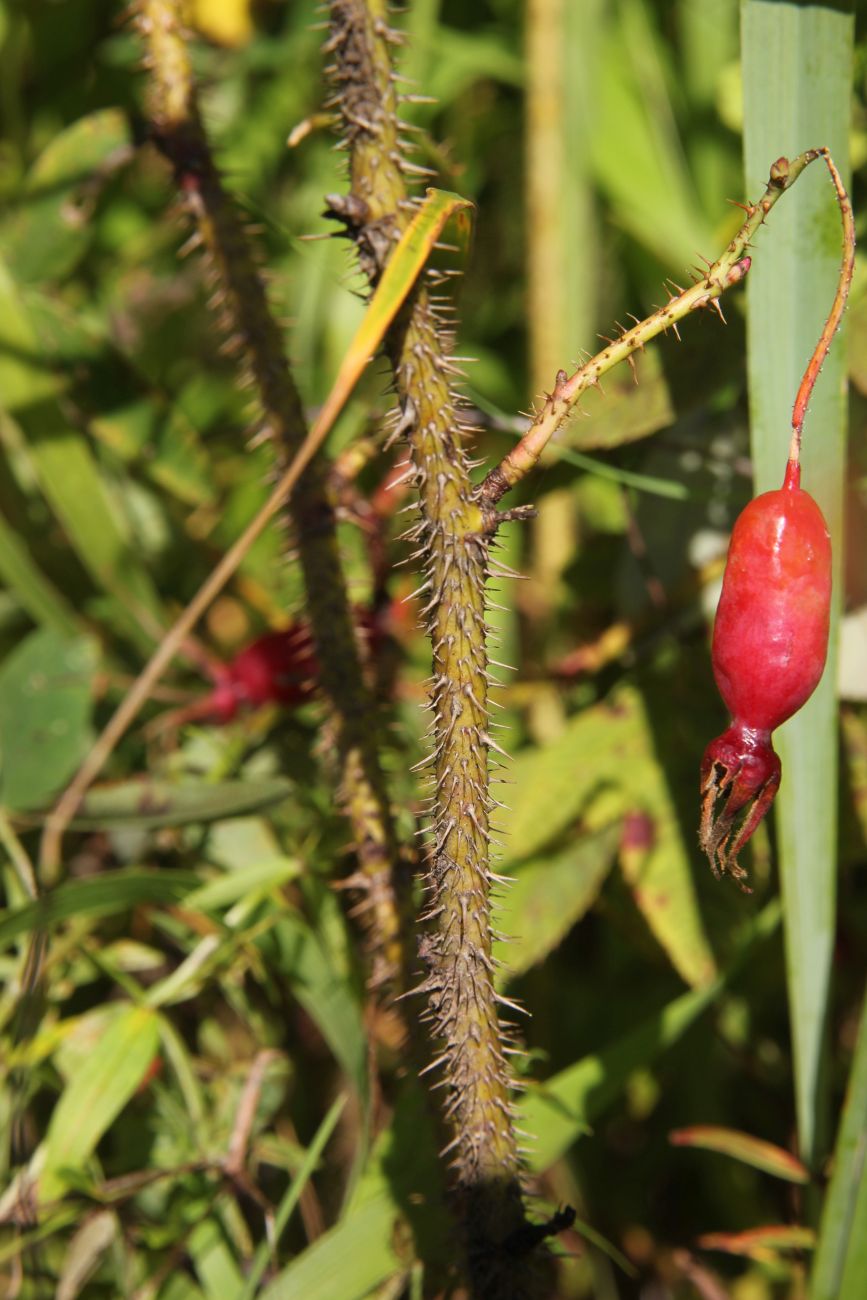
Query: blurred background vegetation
207 1099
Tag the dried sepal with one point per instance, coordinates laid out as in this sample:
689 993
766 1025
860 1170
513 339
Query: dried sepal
740 776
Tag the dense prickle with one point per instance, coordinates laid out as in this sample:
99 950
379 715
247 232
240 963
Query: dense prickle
452 547
769 647
770 637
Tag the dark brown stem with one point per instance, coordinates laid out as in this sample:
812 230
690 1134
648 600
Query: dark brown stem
251 327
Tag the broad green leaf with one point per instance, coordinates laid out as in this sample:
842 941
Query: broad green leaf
101 895
97 1093
553 783
548 896
53 224
46 688
559 1110
172 453
633 405
148 804
744 1147
797 62
841 1256
402 1181
606 755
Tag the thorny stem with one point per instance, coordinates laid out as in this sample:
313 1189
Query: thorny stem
256 337
832 324
452 543
728 270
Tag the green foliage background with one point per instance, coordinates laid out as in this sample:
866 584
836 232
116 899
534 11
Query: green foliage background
194 938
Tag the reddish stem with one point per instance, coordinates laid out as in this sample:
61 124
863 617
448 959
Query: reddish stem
832 324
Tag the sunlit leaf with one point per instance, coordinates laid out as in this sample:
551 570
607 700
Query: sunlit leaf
760 1243
97 1093
743 1147
547 897
608 750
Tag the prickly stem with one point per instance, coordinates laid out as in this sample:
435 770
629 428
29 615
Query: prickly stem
453 537
247 318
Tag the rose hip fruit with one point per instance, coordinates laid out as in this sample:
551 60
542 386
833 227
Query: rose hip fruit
770 642
770 637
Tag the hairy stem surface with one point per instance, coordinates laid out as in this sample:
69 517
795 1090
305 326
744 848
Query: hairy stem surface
451 539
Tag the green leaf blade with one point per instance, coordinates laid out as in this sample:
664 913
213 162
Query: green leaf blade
797 62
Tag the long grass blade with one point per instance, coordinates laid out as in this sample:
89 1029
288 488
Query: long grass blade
841 1257
797 62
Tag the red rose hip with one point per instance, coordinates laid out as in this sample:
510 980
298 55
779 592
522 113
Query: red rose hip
770 643
770 637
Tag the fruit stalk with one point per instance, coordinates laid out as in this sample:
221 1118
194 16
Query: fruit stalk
728 270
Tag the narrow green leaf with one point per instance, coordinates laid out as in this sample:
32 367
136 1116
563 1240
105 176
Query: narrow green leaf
292 1196
150 804
841 1257
743 1147
213 1261
46 688
97 1093
403 269
231 886
33 591
797 63
326 994
103 895
558 1111
636 151
76 491
349 1261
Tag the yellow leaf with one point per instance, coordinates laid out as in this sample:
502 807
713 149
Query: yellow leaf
227 22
